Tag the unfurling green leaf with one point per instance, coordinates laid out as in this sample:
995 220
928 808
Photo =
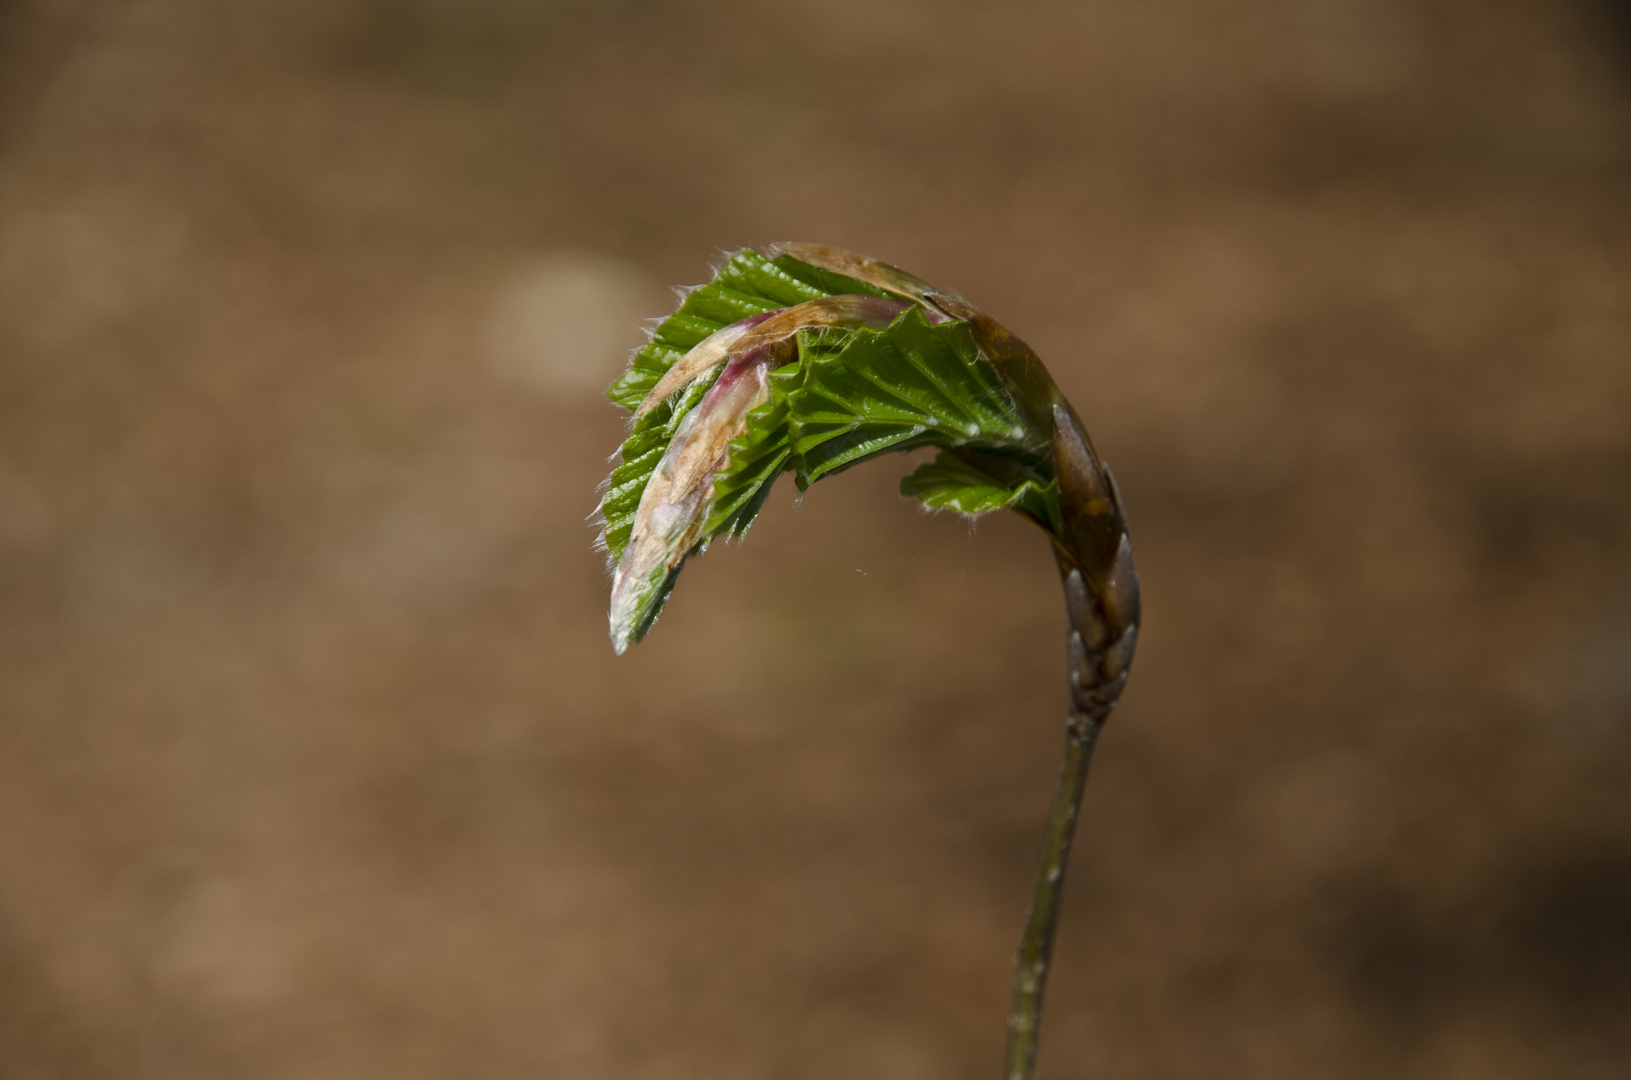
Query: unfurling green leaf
974 483
810 363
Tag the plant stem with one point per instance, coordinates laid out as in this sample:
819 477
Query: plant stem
1102 608
1036 947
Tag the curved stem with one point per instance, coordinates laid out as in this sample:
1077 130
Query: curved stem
1036 947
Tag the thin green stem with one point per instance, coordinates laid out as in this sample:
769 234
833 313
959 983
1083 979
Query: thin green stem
1036 947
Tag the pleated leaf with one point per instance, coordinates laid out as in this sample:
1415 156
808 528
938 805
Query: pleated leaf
747 284
971 482
914 384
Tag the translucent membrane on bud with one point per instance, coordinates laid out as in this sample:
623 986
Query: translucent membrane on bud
880 275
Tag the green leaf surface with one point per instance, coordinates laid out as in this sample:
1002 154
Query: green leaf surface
851 394
910 385
746 284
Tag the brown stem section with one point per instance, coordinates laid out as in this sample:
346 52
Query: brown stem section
1036 947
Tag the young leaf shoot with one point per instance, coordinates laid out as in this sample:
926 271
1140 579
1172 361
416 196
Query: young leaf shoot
809 360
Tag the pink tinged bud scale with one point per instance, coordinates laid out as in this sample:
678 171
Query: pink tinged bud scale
674 506
938 306
706 355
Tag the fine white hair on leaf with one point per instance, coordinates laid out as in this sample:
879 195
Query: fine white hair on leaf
724 257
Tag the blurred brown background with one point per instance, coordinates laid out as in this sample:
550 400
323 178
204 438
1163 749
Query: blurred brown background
314 757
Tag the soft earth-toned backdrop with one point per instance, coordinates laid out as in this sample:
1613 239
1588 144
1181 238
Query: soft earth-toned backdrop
315 761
